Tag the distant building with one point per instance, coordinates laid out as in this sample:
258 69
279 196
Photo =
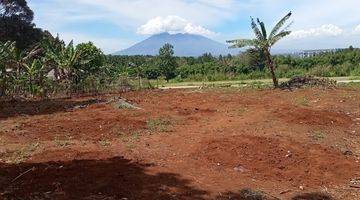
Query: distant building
310 53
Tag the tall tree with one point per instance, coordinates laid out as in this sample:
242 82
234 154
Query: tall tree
16 24
167 61
263 42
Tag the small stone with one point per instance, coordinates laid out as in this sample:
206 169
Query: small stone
301 187
289 154
239 169
348 153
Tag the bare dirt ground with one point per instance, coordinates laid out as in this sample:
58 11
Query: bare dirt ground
184 144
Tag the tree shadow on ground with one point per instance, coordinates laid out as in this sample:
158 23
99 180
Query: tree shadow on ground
246 194
110 179
249 194
115 178
313 196
16 108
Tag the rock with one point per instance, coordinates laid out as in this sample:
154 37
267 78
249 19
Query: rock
348 153
122 104
240 169
289 154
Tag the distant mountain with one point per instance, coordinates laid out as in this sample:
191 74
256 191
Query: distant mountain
184 45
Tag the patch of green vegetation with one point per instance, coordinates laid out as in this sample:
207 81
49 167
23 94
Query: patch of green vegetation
304 101
318 135
63 142
104 142
159 124
241 111
24 153
354 78
351 85
130 140
257 85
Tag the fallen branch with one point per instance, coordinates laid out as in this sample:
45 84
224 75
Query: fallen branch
22 174
355 186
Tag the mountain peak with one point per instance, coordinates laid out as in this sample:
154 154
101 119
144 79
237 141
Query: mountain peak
185 44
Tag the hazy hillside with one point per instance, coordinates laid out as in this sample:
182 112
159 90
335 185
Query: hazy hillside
184 45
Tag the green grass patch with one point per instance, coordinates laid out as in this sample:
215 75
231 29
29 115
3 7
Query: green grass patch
24 153
62 141
303 101
318 135
104 142
158 124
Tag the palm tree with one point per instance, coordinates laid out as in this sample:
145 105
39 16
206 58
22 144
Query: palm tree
263 42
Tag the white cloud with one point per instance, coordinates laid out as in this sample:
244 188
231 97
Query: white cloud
172 24
357 29
132 13
108 45
324 30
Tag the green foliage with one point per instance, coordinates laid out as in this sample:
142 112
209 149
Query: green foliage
16 24
340 63
52 66
167 62
247 65
158 124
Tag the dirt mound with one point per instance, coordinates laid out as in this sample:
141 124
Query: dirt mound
308 81
312 117
272 159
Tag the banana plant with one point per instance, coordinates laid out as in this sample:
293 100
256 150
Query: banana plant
34 76
264 42
7 50
67 59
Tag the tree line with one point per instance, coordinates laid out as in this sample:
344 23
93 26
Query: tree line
250 64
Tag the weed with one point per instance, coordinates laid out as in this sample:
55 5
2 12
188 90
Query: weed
63 142
130 146
304 101
241 111
318 135
24 153
131 140
104 142
158 124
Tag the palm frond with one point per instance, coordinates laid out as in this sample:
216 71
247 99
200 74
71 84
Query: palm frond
256 30
278 37
263 29
242 43
278 26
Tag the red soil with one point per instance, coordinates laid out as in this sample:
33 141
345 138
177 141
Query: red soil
183 144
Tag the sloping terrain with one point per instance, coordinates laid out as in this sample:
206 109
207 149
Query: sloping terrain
184 144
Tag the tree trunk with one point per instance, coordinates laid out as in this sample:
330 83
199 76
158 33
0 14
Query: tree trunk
3 82
2 87
271 67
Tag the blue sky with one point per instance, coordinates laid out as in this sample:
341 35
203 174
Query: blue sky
117 24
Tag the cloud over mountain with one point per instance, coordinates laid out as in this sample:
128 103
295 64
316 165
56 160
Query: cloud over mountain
172 24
